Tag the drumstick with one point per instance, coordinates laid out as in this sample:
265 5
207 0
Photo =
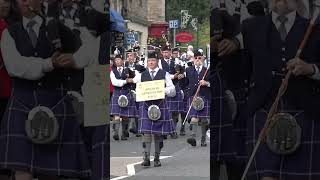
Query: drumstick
197 92
281 91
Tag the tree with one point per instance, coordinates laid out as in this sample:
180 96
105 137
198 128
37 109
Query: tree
199 9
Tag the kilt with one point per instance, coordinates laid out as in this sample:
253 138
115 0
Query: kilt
176 103
163 126
229 136
302 164
65 156
98 148
204 113
116 110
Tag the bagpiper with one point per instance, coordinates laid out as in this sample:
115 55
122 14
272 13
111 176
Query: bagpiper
198 104
135 68
181 86
123 105
167 63
289 149
154 117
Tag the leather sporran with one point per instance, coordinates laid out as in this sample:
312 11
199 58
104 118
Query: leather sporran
198 104
41 126
123 101
154 112
284 136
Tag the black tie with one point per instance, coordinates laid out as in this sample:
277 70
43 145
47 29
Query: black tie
198 69
282 28
32 34
152 74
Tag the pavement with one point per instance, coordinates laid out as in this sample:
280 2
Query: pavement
179 160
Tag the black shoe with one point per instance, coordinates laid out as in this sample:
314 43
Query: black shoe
203 141
182 132
192 141
133 131
126 133
146 159
138 135
123 137
165 137
116 137
174 136
157 162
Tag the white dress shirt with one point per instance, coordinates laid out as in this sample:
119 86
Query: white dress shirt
117 82
201 66
288 25
170 90
31 68
34 68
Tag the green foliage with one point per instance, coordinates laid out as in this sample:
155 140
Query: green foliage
197 8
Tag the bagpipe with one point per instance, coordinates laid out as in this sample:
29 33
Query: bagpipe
42 127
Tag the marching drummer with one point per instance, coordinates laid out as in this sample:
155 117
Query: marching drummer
200 105
122 104
154 117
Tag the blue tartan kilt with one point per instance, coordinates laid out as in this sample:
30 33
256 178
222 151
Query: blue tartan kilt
176 103
163 126
229 136
65 156
204 113
302 164
98 148
116 110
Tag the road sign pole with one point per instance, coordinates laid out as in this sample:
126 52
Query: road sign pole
198 38
174 37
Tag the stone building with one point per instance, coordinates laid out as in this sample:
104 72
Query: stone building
145 18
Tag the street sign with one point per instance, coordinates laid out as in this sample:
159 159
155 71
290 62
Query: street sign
131 38
173 24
